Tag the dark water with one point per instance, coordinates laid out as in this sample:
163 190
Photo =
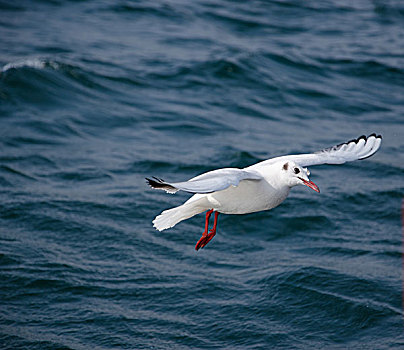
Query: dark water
96 95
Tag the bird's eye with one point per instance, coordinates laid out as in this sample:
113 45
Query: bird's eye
296 170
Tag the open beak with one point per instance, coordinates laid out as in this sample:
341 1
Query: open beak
310 184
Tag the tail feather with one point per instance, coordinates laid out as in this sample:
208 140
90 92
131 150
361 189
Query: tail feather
170 217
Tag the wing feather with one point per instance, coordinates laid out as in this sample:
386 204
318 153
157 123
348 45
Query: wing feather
217 180
367 147
361 148
212 181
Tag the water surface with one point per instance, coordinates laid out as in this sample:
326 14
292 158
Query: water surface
95 96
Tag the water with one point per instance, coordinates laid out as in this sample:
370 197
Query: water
97 95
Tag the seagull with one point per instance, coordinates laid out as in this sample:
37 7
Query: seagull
258 187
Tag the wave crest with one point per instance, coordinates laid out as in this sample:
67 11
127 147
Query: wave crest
36 63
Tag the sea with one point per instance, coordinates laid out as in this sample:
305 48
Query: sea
95 96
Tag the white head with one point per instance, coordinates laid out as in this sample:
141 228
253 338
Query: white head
293 174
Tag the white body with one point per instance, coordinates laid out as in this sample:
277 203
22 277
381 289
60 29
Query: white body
262 186
256 195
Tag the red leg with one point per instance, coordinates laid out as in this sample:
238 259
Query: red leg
208 214
206 237
212 232
205 233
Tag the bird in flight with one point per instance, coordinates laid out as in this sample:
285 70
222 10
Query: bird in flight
258 187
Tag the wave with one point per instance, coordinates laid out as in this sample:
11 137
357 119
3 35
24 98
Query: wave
44 81
36 63
131 89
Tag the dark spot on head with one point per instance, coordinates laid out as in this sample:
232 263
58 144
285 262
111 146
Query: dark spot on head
286 166
296 170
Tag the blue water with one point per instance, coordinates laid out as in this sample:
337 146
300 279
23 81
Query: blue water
97 95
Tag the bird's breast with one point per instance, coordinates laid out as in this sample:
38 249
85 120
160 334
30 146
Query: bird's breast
248 197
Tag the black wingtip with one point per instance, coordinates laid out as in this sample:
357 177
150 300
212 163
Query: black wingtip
160 184
376 136
364 137
157 183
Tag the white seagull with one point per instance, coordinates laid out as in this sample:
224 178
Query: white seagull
261 186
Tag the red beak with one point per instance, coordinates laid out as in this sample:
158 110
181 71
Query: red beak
310 184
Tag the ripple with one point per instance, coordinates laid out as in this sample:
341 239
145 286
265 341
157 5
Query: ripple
107 93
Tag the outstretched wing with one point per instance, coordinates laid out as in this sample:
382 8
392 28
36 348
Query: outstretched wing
360 148
209 182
